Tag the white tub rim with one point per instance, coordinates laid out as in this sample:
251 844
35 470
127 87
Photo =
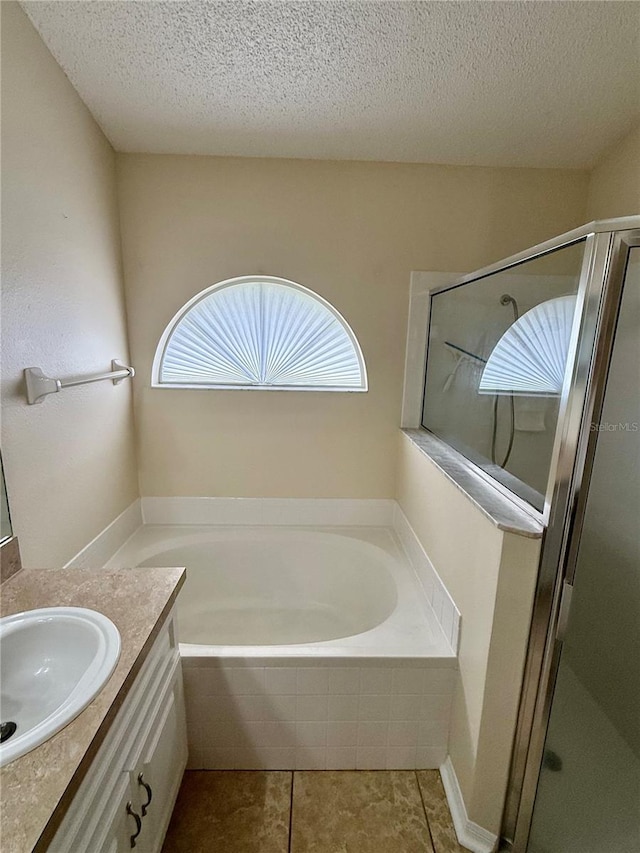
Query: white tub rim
383 642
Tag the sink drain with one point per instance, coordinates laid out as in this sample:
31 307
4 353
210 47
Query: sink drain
6 730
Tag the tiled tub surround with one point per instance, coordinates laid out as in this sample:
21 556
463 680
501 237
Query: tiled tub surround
379 699
334 714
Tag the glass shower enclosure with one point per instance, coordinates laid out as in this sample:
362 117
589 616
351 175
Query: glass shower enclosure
588 793
495 371
533 375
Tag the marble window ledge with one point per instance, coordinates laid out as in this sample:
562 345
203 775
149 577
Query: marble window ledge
504 513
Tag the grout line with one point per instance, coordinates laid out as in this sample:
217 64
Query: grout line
426 816
291 812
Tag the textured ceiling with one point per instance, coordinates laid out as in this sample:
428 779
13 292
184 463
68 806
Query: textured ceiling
489 83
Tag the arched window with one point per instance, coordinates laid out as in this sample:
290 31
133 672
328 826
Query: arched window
259 332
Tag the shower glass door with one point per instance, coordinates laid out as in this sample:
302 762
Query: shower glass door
588 797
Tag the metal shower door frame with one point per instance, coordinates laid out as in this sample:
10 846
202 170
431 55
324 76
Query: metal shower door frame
606 255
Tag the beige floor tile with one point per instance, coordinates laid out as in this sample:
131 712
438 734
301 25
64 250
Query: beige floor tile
358 812
435 803
234 812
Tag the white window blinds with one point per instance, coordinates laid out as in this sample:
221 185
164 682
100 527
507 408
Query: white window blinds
259 332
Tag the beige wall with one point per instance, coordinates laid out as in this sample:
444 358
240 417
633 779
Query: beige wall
614 186
350 231
69 463
491 577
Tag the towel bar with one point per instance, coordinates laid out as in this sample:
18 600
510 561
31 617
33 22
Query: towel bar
39 385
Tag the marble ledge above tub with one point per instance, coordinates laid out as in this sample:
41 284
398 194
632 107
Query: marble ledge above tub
38 787
502 512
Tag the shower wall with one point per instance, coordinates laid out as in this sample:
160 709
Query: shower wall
350 231
69 463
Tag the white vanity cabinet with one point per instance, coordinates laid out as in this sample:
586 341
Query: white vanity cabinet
126 799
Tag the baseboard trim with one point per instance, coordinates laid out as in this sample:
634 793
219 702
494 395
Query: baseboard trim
106 543
470 835
327 512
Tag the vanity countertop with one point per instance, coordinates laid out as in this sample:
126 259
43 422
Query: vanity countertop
37 788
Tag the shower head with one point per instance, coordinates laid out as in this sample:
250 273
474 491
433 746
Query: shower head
507 299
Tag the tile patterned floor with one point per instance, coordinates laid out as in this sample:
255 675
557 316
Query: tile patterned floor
360 811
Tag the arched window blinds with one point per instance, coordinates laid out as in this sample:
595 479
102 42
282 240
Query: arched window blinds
259 332
531 357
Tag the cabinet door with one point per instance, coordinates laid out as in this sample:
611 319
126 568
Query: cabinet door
119 831
159 773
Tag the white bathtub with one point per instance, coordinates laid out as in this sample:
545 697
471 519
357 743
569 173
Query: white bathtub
259 590
304 647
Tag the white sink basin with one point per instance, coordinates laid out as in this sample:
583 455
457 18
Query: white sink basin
53 662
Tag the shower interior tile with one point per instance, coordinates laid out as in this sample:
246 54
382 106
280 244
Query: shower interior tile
362 812
232 811
437 810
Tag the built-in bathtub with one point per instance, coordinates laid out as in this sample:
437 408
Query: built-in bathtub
304 648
